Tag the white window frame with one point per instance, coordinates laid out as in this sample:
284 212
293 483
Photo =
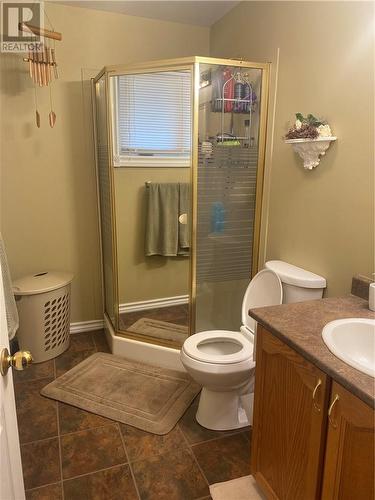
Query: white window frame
121 160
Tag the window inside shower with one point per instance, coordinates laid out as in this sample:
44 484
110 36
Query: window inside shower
152 119
229 112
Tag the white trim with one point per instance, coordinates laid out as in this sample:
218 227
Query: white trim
97 324
153 303
143 352
132 161
86 326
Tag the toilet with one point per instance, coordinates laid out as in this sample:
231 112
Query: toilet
221 361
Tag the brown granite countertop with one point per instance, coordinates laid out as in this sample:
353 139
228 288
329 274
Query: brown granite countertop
300 326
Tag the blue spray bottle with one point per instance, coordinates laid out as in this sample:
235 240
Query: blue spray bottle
218 215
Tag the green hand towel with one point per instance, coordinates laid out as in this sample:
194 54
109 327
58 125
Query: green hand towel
162 219
165 234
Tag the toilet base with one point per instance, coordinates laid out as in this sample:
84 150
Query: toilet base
221 411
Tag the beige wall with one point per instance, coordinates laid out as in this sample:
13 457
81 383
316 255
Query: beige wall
48 197
321 220
144 278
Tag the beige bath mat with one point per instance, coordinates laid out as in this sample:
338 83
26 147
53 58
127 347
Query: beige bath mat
160 329
144 396
243 488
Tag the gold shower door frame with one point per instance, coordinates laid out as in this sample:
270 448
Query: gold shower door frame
192 64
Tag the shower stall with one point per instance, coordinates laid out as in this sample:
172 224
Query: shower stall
180 148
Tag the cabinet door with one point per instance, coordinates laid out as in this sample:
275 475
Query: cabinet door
290 405
349 463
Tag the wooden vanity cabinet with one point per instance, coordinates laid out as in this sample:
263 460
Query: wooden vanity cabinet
310 440
349 467
290 401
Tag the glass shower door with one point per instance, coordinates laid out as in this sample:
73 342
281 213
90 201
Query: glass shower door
104 183
227 175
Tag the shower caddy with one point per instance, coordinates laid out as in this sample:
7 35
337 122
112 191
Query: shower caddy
231 101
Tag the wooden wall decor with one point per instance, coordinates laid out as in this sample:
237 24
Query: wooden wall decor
42 65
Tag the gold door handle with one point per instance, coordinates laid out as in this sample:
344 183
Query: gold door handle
319 383
19 361
335 399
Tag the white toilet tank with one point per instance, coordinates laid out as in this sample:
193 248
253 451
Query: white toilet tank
298 285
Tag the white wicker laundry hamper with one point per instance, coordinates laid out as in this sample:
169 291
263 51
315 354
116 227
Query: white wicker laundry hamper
43 303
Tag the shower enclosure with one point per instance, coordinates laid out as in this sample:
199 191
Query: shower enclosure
180 156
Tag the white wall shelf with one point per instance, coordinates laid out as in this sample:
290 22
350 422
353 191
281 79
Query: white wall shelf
310 150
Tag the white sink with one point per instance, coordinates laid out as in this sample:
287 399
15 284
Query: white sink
353 341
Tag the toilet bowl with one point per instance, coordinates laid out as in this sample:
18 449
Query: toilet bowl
222 361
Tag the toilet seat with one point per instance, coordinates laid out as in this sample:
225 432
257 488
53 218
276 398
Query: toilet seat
265 289
223 347
218 347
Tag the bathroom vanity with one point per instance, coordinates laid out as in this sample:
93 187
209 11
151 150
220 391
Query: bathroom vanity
314 419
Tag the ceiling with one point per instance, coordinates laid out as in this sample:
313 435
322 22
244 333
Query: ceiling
201 13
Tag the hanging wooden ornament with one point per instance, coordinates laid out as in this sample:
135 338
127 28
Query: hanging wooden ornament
42 65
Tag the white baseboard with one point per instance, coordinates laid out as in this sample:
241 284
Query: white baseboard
154 303
97 324
86 326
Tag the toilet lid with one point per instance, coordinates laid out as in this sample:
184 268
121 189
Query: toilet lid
218 347
265 289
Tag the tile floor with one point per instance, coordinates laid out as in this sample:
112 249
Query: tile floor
71 454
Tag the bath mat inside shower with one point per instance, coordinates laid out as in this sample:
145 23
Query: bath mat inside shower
147 397
160 329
